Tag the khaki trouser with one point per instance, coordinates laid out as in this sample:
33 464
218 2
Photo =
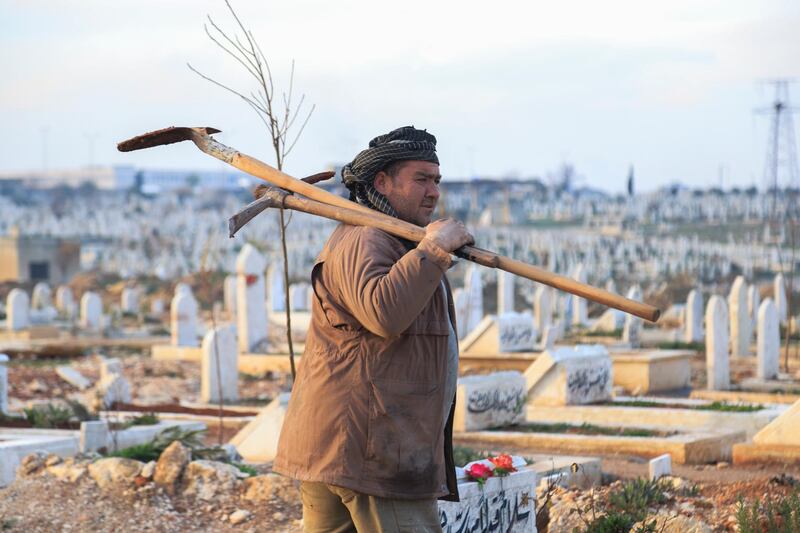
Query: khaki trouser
331 509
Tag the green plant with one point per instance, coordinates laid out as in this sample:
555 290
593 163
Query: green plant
613 522
53 416
678 345
147 419
463 455
781 515
151 450
247 469
617 333
636 496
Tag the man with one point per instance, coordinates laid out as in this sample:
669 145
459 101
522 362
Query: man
368 429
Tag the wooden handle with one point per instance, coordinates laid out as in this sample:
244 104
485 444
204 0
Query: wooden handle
414 233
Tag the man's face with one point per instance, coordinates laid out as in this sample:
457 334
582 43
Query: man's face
413 192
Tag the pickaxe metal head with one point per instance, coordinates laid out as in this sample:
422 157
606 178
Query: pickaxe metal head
170 135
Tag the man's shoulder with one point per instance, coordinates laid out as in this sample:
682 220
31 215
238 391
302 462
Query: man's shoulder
348 237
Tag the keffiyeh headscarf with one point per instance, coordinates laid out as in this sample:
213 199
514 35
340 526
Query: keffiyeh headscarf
403 144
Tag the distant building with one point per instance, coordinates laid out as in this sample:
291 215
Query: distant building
38 258
123 177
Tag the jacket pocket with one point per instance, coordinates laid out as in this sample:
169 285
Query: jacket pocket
403 441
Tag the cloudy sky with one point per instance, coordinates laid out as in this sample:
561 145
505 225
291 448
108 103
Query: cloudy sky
509 88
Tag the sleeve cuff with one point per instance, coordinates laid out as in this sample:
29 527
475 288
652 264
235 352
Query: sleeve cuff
433 252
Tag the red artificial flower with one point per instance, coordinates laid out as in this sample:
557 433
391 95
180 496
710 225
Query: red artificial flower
503 464
251 279
479 472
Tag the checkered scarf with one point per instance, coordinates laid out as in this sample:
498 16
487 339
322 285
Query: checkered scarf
403 144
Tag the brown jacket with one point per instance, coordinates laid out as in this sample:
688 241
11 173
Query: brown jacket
366 409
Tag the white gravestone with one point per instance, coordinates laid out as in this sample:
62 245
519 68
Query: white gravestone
17 310
113 388
156 306
219 348
3 384
65 303
753 303
460 303
229 295
694 317
660 466
516 332
110 366
579 314
549 337
474 306
488 401
570 376
543 308
91 310
277 298
251 315
779 292
506 504
717 358
183 318
505 292
73 377
94 436
41 297
609 321
129 301
632 330
739 318
768 341
298 296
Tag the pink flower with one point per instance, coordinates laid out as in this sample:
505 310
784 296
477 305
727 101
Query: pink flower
479 473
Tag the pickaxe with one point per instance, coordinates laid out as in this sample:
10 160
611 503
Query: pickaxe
324 203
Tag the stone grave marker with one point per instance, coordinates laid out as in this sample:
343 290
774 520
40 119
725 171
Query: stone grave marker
543 308
768 341
660 466
17 310
753 303
65 303
579 314
91 310
277 298
156 306
474 301
219 346
129 300
506 504
779 292
739 319
488 401
570 376
3 384
516 332
694 317
505 292
717 358
183 318
251 314
41 297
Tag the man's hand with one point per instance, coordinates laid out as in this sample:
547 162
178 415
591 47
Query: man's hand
448 234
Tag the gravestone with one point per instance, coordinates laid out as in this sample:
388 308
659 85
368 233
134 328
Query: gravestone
460 303
608 321
65 303
632 330
111 389
474 301
768 341
550 337
516 332
579 314
543 308
753 303
779 293
570 376
94 436
717 358
251 315
183 318
17 310
277 298
3 384
505 292
157 306
129 300
298 296
739 318
73 377
660 466
694 317
110 366
91 310
506 504
41 297
257 442
489 401
219 347
229 295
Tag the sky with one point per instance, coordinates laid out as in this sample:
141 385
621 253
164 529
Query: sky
509 88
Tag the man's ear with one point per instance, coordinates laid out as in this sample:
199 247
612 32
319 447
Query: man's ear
380 182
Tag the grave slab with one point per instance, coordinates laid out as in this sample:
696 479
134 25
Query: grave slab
257 442
491 400
570 376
